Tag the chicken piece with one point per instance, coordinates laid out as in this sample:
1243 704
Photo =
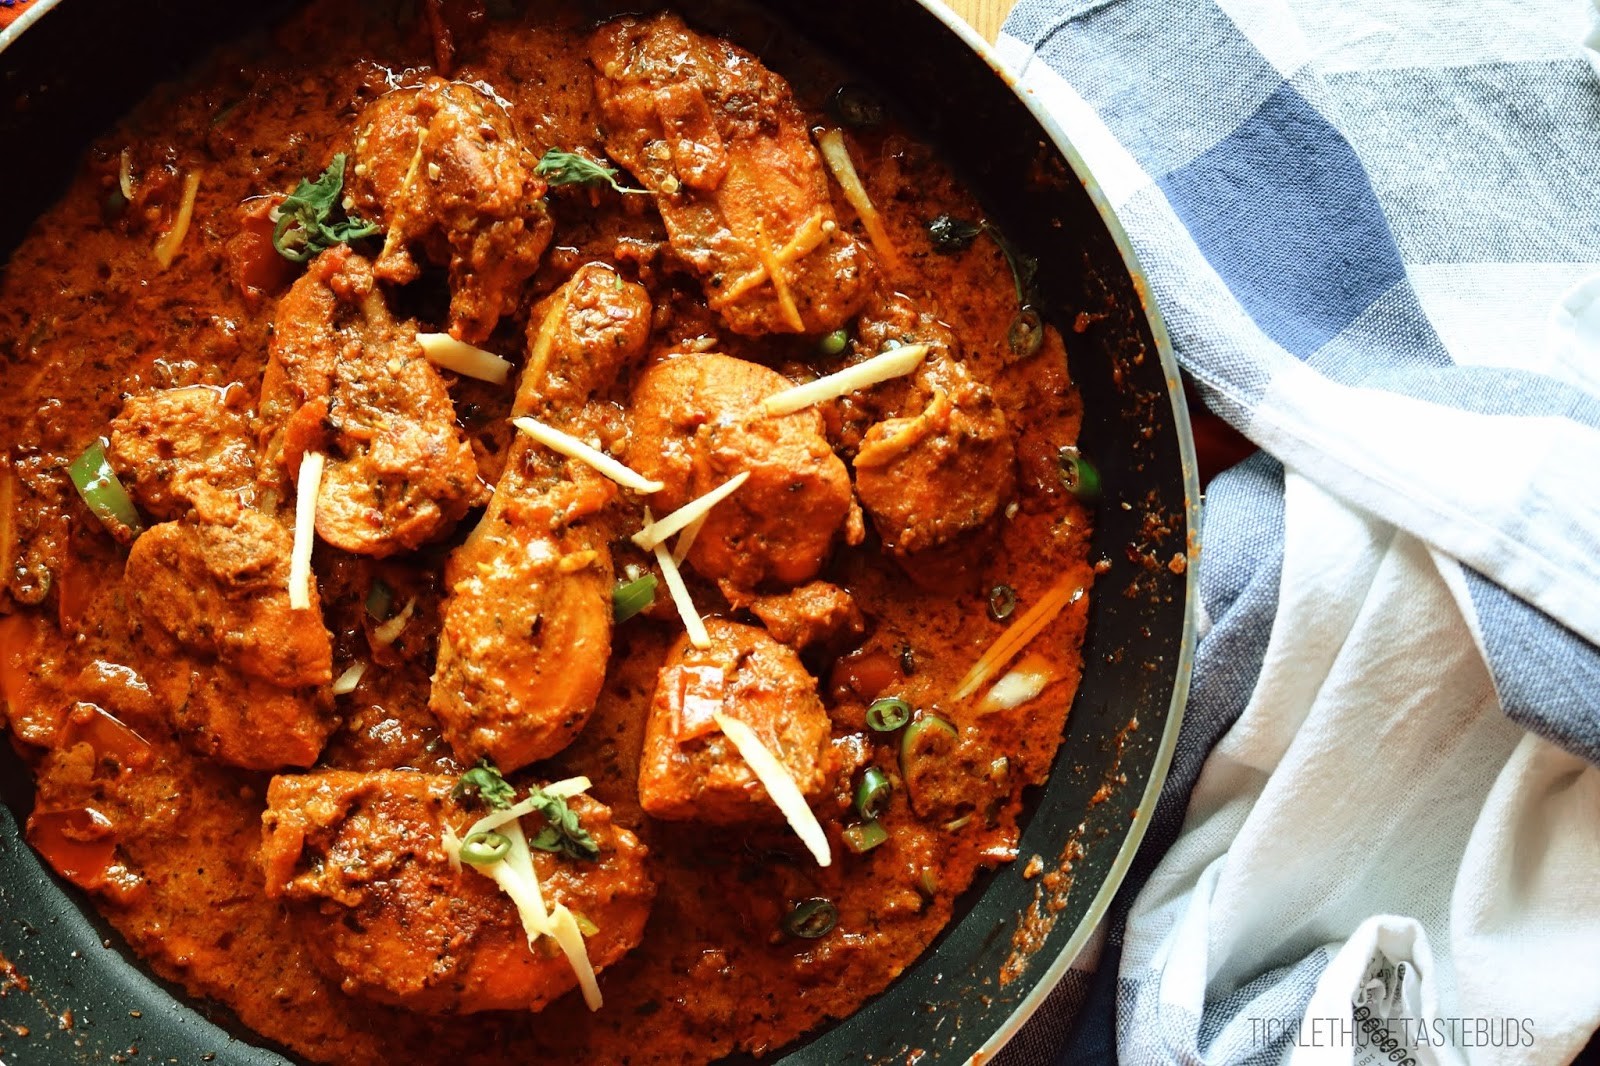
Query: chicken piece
235 719
527 623
345 378
526 628
690 771
941 462
697 421
360 858
814 613
442 167
163 441
217 582
212 588
741 188
579 340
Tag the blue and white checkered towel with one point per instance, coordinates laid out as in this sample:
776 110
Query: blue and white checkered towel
1369 226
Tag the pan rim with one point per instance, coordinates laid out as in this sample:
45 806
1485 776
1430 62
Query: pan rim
1101 904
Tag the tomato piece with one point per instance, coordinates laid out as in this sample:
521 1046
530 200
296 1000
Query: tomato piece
305 431
8 521
16 633
73 594
864 674
255 265
34 712
110 737
586 497
79 844
697 697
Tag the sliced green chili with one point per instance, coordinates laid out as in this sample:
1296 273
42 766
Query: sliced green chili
631 597
872 793
811 918
929 737
97 483
864 837
1078 474
309 218
1002 601
888 714
485 848
1026 333
380 597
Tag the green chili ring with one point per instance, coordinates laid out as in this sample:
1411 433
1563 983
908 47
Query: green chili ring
380 597
97 484
485 848
812 918
1025 336
888 714
297 247
1078 475
928 737
864 837
872 793
631 597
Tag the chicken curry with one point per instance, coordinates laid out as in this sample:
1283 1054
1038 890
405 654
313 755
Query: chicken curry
528 534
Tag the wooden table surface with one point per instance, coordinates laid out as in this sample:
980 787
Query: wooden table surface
985 15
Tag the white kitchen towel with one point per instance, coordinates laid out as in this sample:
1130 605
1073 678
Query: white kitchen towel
1368 226
1371 808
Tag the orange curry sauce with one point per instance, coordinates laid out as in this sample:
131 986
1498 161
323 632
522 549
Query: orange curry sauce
136 808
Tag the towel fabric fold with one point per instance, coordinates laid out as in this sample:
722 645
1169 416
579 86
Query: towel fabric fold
1368 226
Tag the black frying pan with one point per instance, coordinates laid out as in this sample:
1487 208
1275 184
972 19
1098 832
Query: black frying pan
70 73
